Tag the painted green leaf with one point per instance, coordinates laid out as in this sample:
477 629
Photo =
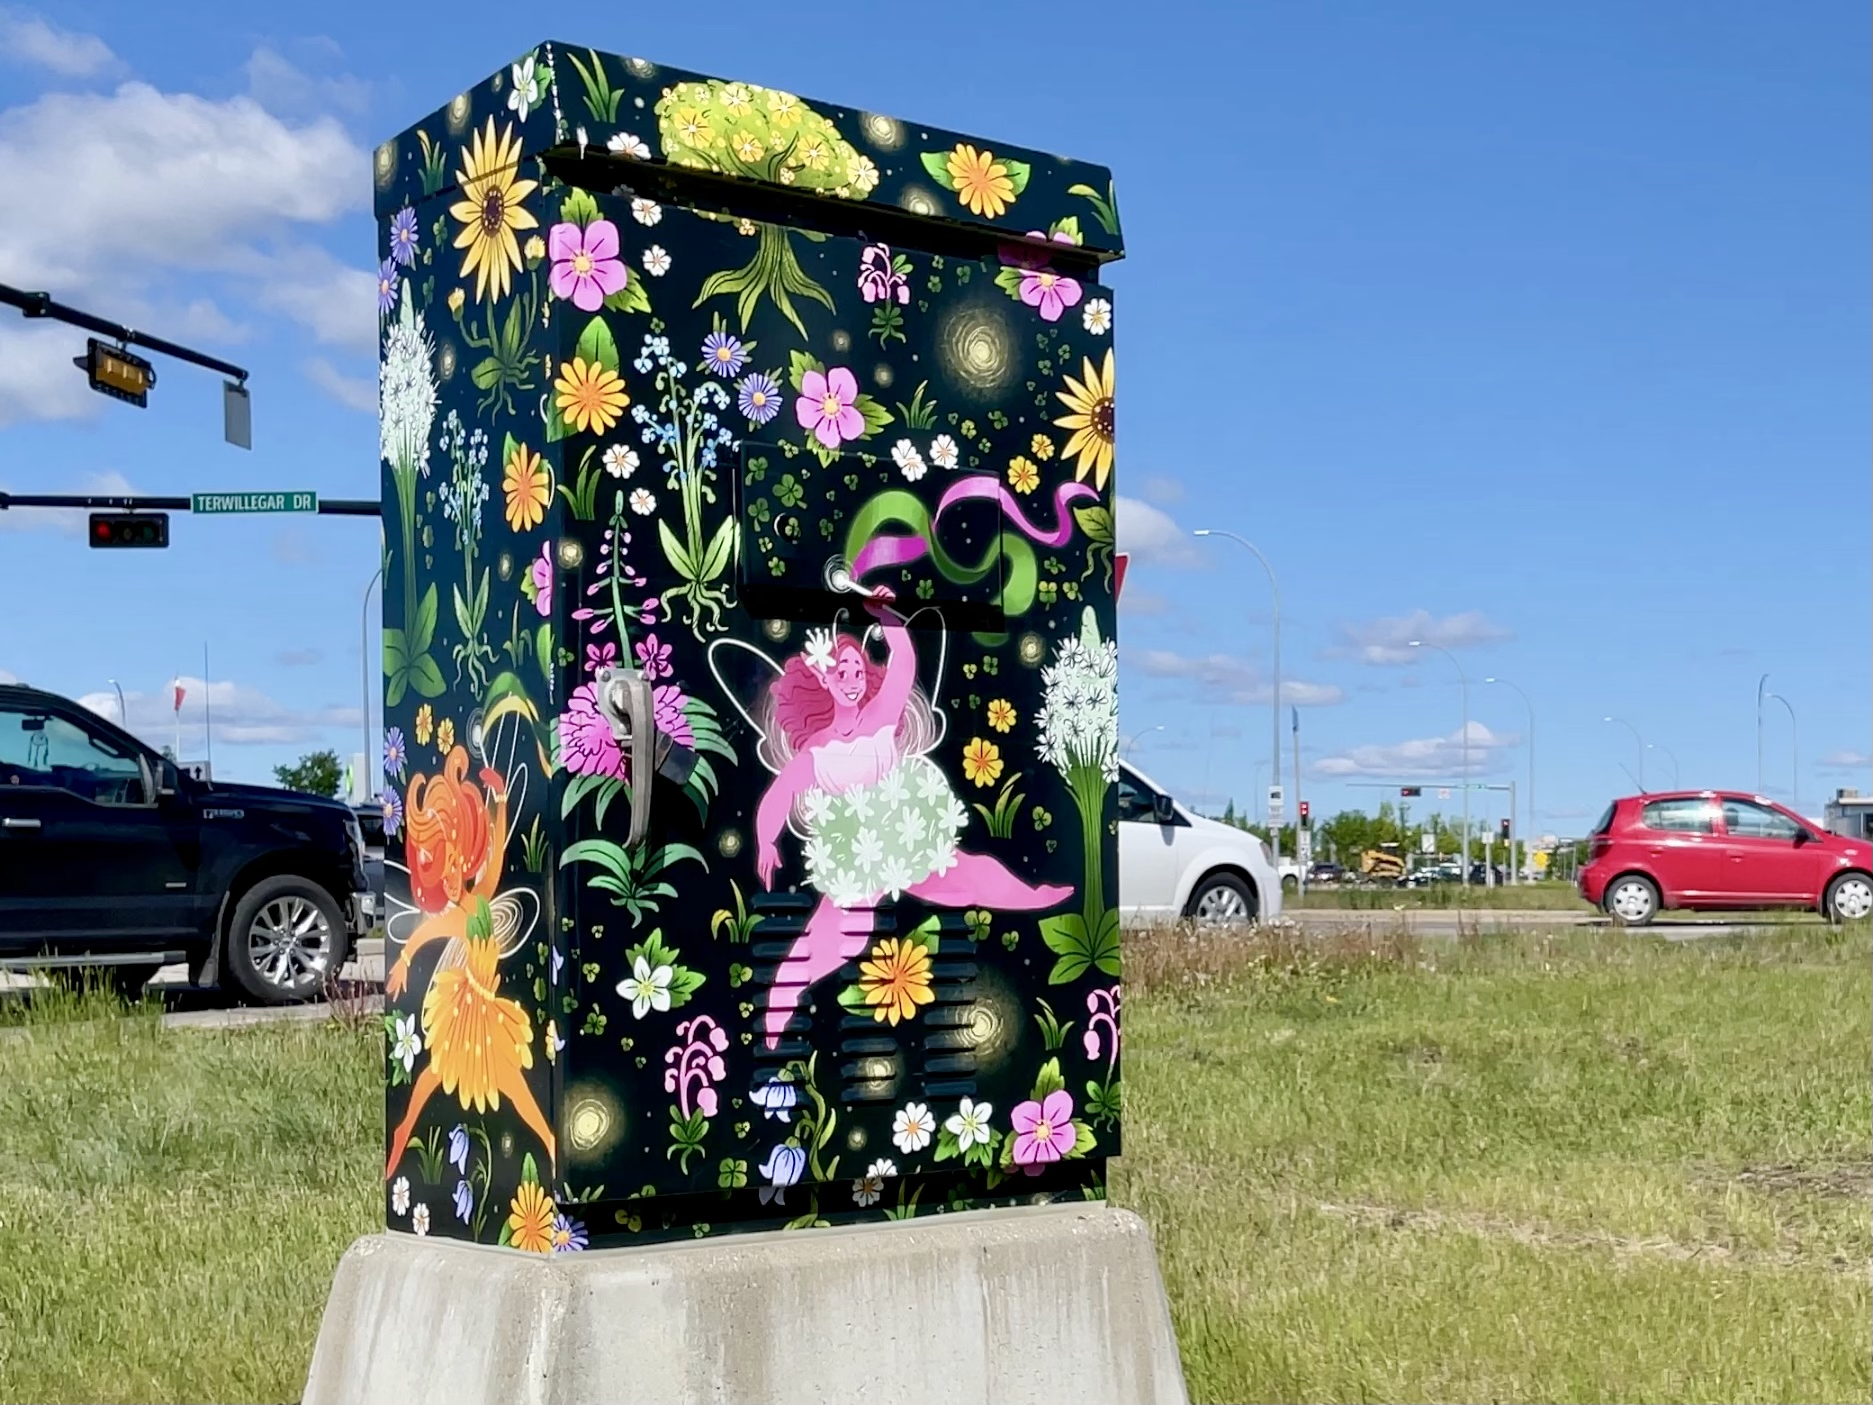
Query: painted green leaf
596 344
425 678
876 416
1009 280
1048 1080
937 163
424 630
579 208
632 297
486 373
674 549
1018 173
1096 522
799 364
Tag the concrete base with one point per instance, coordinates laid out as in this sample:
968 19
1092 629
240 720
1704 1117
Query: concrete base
1047 1305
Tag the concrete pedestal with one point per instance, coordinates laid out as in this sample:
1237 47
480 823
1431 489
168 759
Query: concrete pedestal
1051 1305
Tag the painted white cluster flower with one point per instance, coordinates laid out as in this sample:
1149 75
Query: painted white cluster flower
1079 715
406 389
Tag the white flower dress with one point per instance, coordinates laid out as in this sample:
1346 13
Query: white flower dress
875 822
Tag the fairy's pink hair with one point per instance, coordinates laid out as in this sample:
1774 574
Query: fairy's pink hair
800 705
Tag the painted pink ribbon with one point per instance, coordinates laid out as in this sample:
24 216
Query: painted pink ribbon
888 551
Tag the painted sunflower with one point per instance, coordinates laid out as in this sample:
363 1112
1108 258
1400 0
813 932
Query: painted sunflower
530 1220
526 488
590 395
491 209
1091 421
896 980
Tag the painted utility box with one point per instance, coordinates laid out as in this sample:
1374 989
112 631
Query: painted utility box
750 672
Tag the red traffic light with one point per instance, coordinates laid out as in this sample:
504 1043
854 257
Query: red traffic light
129 529
1411 792
1505 828
1306 810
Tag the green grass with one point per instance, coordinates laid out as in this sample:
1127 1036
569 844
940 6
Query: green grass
1511 897
1524 1168
1530 1167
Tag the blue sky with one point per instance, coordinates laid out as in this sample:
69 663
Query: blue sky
1538 333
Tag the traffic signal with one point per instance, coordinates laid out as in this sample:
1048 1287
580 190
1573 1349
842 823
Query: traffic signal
129 529
1306 811
1505 830
1411 792
116 373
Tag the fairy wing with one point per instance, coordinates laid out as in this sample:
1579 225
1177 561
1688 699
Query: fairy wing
743 672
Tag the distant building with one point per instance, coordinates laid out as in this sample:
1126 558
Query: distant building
1850 813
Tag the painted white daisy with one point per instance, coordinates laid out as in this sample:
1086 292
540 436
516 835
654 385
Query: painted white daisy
646 988
400 1195
1097 316
525 91
419 1219
626 144
406 1044
656 261
943 451
912 1128
643 501
867 1190
910 463
970 1124
646 212
621 461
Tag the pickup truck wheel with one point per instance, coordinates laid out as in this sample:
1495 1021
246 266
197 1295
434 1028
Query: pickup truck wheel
1221 899
288 935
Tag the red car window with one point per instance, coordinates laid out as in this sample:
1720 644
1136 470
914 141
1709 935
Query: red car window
1745 819
1679 816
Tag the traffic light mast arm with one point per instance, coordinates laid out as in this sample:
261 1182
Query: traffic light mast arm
42 305
328 507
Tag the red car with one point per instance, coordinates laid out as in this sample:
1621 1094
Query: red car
1712 849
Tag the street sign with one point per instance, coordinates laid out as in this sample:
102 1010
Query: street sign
1277 799
1427 843
254 502
1443 792
1304 853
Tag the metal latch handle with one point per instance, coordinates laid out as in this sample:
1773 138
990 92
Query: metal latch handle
624 700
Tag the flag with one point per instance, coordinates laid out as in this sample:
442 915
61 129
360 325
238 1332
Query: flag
180 690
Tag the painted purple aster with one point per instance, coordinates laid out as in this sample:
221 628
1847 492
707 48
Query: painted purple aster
403 236
758 397
568 1235
723 354
386 287
395 753
393 812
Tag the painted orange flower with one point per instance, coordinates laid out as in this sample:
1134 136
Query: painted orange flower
1091 418
590 396
982 761
1023 476
1001 714
527 488
530 1219
982 183
896 980
492 207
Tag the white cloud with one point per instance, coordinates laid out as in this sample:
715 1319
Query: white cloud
1388 640
132 188
28 38
1149 536
353 392
278 84
1164 491
1428 758
70 520
1142 602
241 715
1222 678
37 378
6 677
299 658
1845 760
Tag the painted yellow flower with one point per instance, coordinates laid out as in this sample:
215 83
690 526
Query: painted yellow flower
591 396
1023 476
693 124
491 209
456 299
1041 447
980 181
784 107
527 488
896 980
1002 714
748 147
530 1219
445 735
1091 421
425 724
982 761
814 154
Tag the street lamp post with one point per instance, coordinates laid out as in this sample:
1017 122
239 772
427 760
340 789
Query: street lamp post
364 664
1126 746
1654 746
1274 707
1637 738
1528 838
1794 773
1464 679
1760 683
123 713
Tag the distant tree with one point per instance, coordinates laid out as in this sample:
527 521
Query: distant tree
1229 811
316 773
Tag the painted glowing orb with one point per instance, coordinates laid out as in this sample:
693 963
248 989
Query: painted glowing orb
920 201
590 1123
976 347
884 133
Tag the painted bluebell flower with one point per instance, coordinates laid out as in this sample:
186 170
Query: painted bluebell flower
403 236
783 1165
464 1201
777 1099
458 1148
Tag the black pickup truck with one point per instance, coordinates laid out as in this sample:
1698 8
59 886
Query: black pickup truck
112 858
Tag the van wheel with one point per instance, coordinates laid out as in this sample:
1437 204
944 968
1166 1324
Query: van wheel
1221 899
1849 898
287 937
1631 900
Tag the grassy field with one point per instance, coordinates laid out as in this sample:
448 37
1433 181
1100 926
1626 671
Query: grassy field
1521 1168
1511 897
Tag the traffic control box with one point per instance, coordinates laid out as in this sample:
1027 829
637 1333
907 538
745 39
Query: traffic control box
749 662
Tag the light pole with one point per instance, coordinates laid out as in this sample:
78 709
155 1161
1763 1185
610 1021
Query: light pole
1125 747
1637 738
1654 746
1274 702
1528 838
123 713
1794 774
1464 679
1760 682
364 665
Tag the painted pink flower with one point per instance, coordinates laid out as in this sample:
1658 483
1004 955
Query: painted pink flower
653 657
667 702
1044 1131
586 743
541 572
825 406
705 1101
586 267
1051 292
599 656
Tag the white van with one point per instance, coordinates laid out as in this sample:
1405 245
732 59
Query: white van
1173 863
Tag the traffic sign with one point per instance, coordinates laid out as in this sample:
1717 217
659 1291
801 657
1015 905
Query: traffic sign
1276 800
1443 792
254 502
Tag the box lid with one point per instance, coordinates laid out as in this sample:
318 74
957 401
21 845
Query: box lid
558 99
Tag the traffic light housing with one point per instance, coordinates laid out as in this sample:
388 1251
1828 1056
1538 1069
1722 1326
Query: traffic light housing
115 372
1411 792
1306 812
129 529
1505 830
